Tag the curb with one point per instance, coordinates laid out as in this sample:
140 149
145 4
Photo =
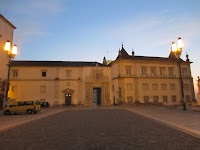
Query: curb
186 130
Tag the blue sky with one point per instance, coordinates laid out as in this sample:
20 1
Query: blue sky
88 30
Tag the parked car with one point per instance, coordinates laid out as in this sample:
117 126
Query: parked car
22 107
44 104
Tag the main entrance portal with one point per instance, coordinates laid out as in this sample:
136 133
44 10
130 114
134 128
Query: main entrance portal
68 99
96 96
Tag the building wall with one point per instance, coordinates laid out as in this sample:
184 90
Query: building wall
6 33
198 92
27 85
132 85
116 84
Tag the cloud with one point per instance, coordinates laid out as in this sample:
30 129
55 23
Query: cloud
49 5
30 17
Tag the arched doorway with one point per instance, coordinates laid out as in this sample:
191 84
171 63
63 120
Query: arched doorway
68 96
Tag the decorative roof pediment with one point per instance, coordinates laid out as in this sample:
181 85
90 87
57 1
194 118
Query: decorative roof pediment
68 91
123 54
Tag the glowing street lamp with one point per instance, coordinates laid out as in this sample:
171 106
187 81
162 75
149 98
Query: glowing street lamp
177 51
11 54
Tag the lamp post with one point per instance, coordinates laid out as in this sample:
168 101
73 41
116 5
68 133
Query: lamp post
177 51
11 55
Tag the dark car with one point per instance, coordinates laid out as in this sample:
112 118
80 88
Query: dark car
44 104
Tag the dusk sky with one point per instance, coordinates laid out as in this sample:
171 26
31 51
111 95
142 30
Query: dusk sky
88 30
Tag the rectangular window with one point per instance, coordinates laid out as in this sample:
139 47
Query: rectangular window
184 72
163 86
155 99
44 73
20 103
145 86
171 71
129 86
13 89
144 70
113 88
164 98
146 99
187 98
128 70
162 72
186 86
43 89
42 100
154 86
28 103
68 73
172 86
173 98
153 71
130 100
15 73
120 94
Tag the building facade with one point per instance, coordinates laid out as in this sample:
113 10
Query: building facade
128 79
198 92
6 33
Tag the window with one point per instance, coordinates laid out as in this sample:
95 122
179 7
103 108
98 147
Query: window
187 98
146 99
145 86
129 86
13 88
130 100
153 71
113 88
144 70
164 98
42 100
172 86
154 86
128 70
28 103
68 83
173 98
68 73
186 86
184 72
155 99
120 92
43 89
44 73
20 103
15 73
162 72
163 86
171 71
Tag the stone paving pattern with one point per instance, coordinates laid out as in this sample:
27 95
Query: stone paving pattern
8 121
96 129
189 118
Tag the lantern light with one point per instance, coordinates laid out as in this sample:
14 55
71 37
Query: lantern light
7 46
14 50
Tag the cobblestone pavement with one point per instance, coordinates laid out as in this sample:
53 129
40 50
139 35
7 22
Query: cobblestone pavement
106 129
9 121
187 119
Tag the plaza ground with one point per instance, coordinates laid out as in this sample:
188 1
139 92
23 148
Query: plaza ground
100 128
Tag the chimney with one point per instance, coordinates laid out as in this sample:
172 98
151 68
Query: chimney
104 61
187 58
133 53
